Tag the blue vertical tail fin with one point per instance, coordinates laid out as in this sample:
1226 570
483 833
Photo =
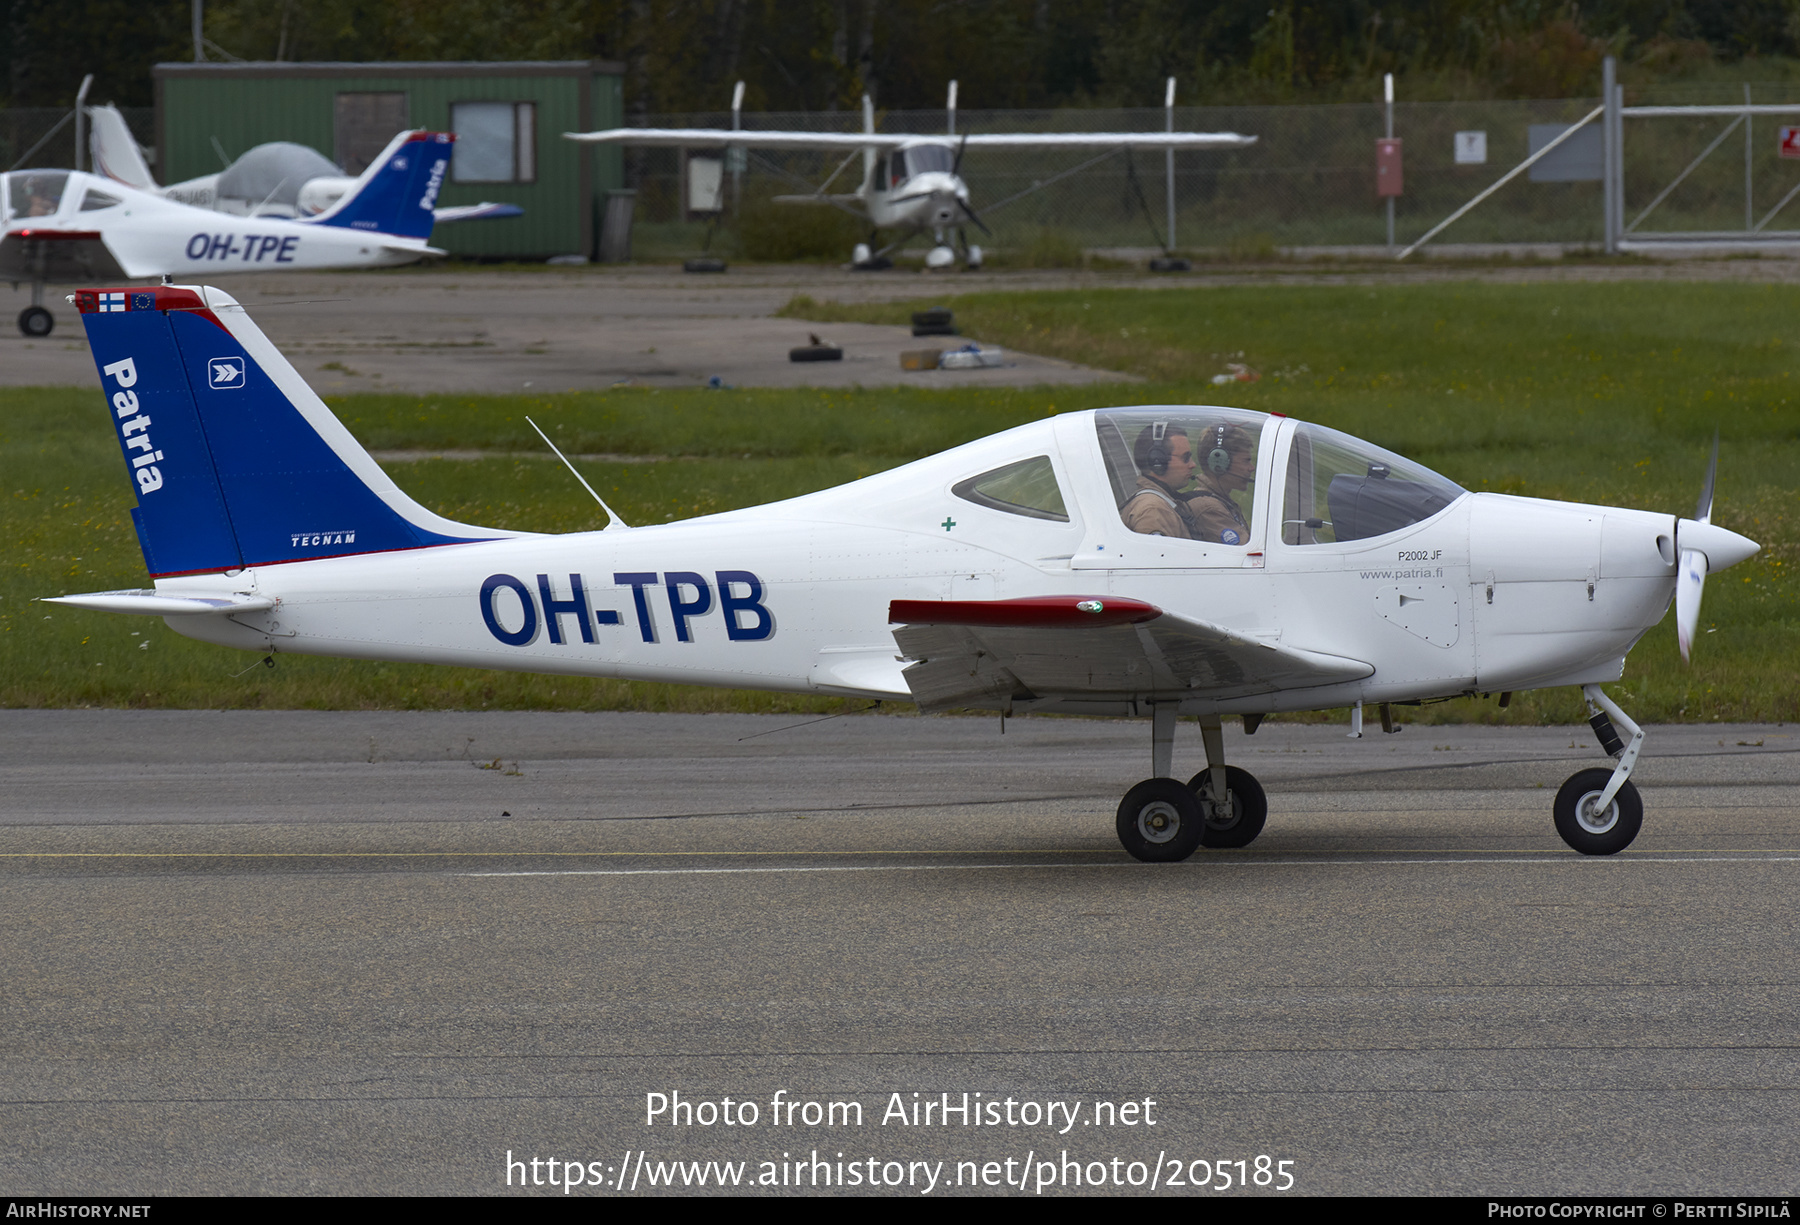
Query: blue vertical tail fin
399 190
234 460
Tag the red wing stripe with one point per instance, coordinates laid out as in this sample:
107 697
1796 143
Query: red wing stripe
1035 612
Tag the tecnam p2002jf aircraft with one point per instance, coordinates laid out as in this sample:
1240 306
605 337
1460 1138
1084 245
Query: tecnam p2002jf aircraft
1060 566
63 225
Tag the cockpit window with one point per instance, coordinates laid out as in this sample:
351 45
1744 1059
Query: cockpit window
1341 488
1026 488
921 158
1183 472
36 193
95 200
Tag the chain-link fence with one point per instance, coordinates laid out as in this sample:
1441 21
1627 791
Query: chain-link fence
1309 181
37 136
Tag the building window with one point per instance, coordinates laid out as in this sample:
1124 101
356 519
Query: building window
363 125
496 142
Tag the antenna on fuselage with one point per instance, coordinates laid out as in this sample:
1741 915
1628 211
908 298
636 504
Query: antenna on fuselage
613 521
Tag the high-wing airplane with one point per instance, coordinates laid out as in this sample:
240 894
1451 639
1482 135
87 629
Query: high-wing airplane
278 179
1060 566
64 225
912 184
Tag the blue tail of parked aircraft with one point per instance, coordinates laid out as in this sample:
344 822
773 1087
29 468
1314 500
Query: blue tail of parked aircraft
399 190
234 459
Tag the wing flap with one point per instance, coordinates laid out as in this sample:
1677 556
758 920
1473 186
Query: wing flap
974 653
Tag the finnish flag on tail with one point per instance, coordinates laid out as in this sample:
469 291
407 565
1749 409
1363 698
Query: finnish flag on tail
234 460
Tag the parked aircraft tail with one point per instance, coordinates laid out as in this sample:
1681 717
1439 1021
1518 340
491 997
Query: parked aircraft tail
234 459
115 149
399 190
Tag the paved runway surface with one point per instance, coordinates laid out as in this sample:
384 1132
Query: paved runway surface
322 952
457 328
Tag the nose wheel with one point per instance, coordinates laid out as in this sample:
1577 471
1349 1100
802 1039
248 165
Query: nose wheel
35 321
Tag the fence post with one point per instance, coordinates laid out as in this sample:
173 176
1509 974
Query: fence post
1610 160
1388 90
1749 148
1169 159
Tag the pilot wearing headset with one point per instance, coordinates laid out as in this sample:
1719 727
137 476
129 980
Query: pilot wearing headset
1165 459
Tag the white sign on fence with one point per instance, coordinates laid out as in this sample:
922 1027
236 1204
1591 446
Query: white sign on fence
1471 148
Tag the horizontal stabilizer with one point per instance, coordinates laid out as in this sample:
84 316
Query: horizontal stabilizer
146 602
484 211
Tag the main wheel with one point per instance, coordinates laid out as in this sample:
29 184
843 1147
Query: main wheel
1243 820
1159 821
1597 833
36 321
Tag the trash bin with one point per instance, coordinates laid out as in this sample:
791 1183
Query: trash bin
615 228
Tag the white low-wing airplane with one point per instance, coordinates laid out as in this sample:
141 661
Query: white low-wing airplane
910 183
64 225
1308 570
278 179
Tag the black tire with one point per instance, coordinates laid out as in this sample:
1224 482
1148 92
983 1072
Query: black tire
1159 821
935 329
1170 263
933 316
1608 835
816 353
703 264
1249 809
35 321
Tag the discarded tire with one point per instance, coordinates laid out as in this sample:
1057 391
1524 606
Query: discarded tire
816 353
703 264
1170 263
934 317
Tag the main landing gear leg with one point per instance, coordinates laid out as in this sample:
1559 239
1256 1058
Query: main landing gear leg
34 320
1233 807
1163 821
1598 812
1159 819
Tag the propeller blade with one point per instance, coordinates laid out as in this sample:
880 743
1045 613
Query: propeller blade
1703 512
956 166
970 213
1690 583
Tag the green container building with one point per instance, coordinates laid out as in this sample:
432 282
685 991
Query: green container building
509 119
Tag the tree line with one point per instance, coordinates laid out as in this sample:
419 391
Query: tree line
822 55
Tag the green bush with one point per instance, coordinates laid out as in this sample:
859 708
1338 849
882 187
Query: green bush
777 232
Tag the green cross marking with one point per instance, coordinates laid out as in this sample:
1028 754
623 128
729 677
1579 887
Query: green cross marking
948 523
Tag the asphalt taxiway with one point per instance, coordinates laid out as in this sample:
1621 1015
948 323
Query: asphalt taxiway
345 952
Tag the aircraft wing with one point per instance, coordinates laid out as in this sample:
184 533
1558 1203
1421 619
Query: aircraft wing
703 138
1106 140
32 252
720 137
985 652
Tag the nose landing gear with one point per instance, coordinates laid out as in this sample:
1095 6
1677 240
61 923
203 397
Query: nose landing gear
1598 812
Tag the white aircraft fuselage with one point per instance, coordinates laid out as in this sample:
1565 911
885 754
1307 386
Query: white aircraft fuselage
1158 560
